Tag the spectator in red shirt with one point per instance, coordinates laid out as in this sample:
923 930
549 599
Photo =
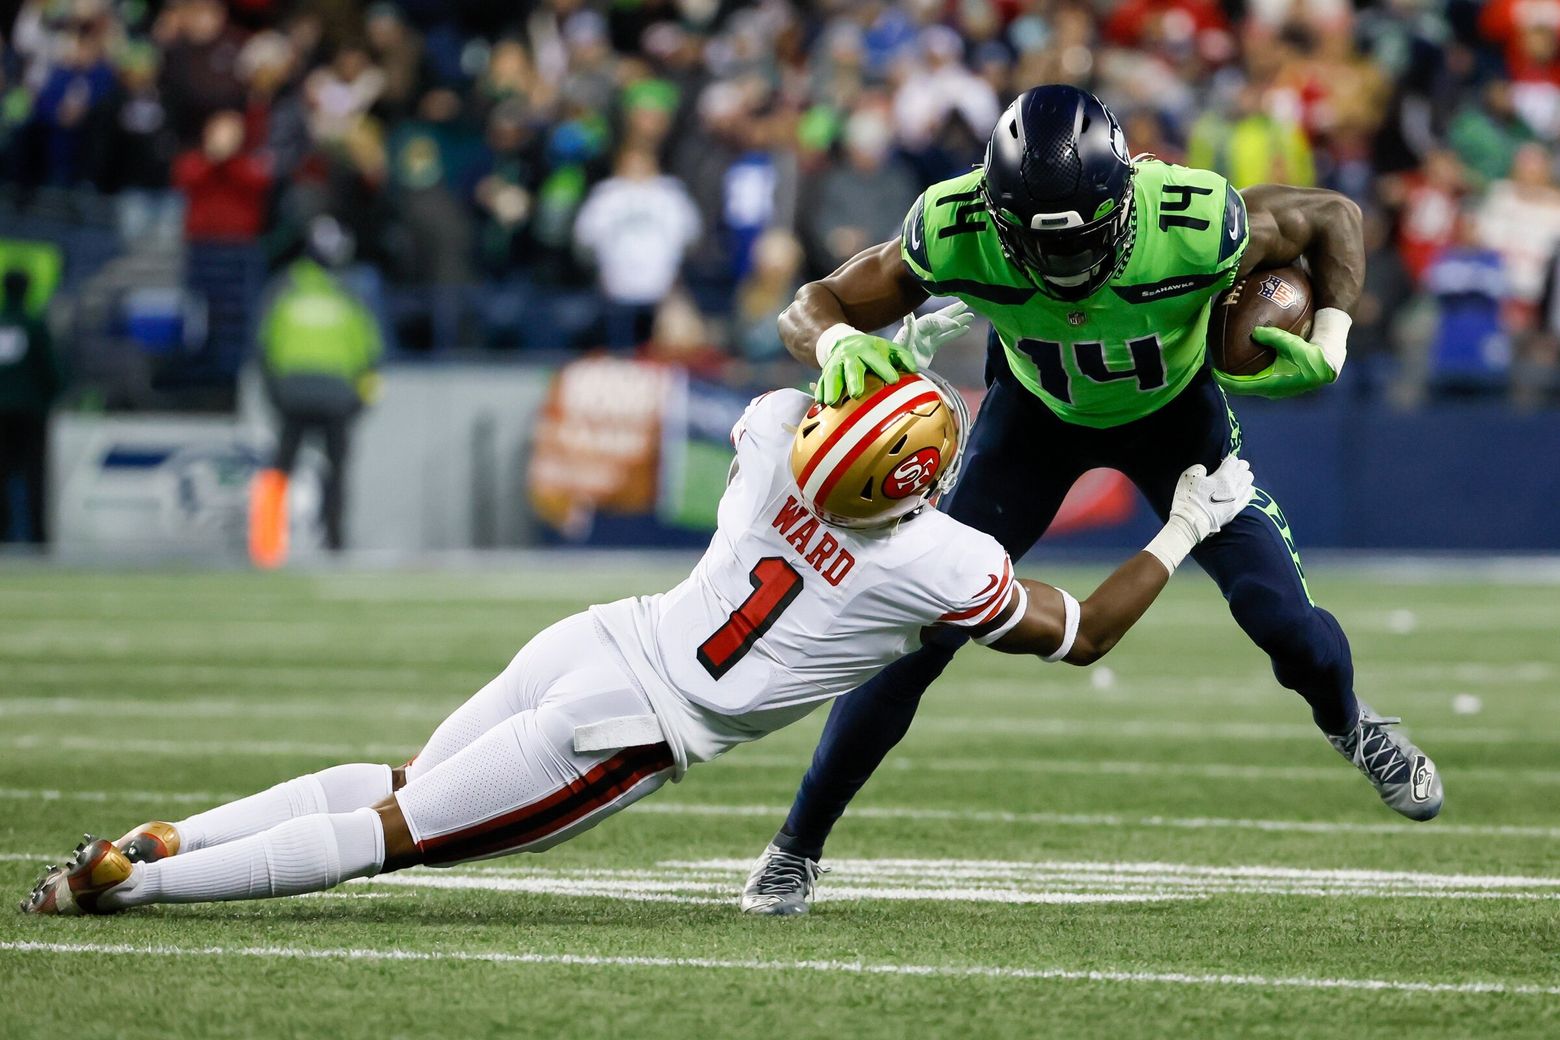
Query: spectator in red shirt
1429 200
225 187
1170 25
1528 31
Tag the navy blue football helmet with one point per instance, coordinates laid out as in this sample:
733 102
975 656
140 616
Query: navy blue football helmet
1058 185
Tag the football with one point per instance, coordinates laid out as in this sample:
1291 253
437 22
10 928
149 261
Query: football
1280 297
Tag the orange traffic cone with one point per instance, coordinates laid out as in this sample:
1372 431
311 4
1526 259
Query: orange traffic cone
268 519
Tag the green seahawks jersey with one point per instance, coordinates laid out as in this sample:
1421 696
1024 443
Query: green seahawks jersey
1134 344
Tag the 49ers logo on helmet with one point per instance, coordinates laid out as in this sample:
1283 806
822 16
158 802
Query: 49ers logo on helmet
913 474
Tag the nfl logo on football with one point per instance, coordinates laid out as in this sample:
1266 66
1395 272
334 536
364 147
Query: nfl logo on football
1279 291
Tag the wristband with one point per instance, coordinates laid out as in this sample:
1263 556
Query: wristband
832 335
1173 542
1330 331
1072 614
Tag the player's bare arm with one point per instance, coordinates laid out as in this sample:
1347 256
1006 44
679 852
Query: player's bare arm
1055 626
824 324
872 289
1103 618
1324 228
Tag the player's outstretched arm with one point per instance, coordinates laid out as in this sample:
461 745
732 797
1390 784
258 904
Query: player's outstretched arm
1059 628
1325 228
823 324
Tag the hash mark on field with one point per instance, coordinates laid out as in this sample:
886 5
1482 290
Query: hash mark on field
971 971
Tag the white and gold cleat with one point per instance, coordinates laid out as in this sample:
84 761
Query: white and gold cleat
149 842
95 868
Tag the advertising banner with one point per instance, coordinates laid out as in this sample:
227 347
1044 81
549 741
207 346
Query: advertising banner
623 438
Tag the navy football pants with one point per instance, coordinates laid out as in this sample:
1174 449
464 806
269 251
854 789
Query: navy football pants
1020 464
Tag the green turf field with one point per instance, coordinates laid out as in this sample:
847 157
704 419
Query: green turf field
1164 849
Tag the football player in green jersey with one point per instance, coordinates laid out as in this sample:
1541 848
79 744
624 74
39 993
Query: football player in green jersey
1097 272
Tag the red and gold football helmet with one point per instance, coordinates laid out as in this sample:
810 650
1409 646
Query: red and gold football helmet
868 461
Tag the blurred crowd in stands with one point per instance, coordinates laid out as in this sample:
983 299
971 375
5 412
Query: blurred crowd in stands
662 174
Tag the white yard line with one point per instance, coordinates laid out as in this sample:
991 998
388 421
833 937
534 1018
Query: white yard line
1155 730
985 881
1048 819
973 971
96 672
1090 767
189 748
677 890
1171 730
715 882
46 794
119 708
1112 820
1339 772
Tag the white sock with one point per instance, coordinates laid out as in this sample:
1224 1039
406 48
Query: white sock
339 789
308 854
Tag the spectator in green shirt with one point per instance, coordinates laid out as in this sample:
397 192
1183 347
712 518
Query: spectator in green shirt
1486 134
320 347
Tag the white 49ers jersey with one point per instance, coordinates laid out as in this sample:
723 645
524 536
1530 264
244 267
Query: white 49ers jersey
784 611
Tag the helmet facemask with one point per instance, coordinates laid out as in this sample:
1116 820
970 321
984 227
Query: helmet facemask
1064 256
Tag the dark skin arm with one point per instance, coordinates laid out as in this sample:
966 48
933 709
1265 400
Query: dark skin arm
1323 226
875 288
870 290
1103 618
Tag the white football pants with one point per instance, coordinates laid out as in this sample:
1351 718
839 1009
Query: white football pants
531 760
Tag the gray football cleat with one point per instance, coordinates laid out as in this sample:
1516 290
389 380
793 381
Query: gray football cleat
1403 775
781 883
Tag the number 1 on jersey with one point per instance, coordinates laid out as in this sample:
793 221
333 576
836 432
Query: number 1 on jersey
775 585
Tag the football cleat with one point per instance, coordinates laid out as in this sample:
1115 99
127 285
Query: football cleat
96 867
781 883
149 842
1403 775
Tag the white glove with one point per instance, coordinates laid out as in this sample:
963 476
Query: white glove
1208 501
923 336
1203 503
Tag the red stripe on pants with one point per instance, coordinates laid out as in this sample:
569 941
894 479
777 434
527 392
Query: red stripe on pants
600 786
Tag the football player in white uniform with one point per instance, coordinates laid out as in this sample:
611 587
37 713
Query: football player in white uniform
828 563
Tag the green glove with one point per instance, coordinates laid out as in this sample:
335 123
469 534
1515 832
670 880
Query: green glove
845 368
1300 366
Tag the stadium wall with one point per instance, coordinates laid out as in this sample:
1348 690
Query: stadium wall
441 463
1352 475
